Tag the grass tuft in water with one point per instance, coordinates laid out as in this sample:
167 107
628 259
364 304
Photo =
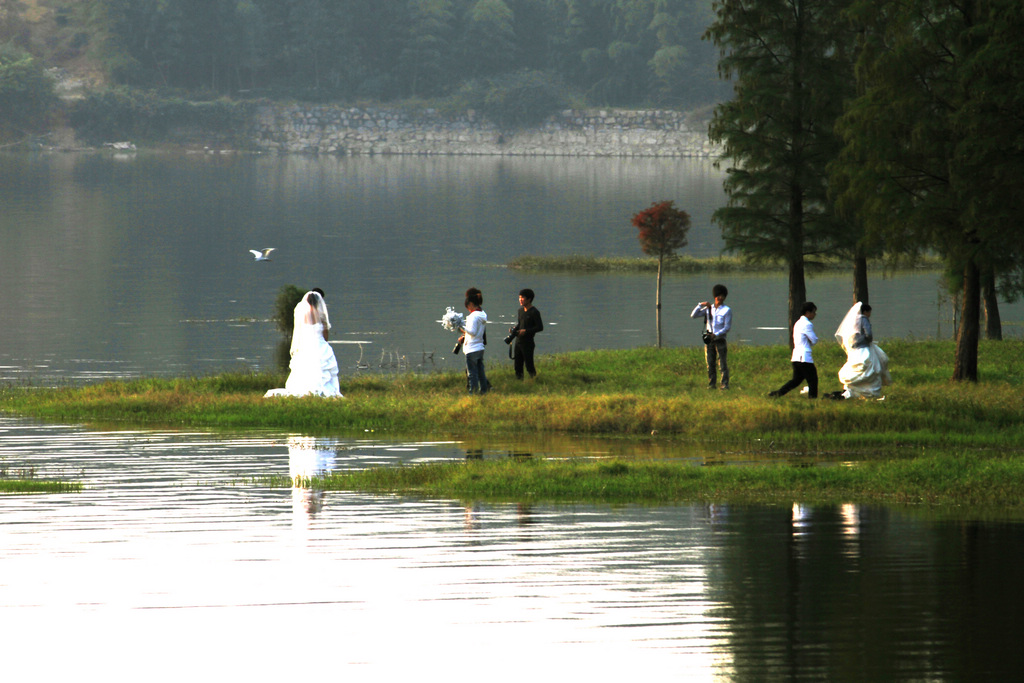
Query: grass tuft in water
24 481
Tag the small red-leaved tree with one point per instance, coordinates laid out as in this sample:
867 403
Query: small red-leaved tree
663 229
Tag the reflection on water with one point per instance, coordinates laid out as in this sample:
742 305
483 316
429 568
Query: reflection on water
308 457
169 567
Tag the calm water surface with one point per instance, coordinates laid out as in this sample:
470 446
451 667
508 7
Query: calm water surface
170 565
114 266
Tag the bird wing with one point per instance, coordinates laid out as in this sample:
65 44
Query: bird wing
266 252
255 253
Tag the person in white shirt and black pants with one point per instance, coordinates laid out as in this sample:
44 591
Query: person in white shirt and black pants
803 364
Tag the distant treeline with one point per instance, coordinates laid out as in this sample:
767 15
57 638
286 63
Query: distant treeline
683 264
609 52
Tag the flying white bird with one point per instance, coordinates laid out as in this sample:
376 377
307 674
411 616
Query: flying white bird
262 255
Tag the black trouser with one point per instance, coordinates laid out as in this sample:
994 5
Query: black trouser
522 355
718 351
801 372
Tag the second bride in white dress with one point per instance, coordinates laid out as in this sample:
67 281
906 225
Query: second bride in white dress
867 366
314 369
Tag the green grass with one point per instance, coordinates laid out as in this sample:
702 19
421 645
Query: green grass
963 479
680 264
643 393
931 441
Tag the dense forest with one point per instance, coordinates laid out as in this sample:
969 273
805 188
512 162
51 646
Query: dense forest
609 52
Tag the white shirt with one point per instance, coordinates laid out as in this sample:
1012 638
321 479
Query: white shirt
721 318
803 339
475 323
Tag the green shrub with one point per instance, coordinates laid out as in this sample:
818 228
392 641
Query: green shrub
26 91
519 100
125 113
284 306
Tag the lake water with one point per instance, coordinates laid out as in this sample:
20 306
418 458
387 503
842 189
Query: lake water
126 265
172 566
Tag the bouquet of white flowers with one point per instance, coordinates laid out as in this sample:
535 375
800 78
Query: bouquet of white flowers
453 321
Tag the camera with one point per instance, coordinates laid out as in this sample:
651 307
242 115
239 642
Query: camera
512 332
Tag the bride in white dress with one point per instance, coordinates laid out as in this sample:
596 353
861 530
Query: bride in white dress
867 366
314 369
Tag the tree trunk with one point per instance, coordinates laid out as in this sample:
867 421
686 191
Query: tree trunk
797 283
966 364
797 164
657 301
860 277
993 323
797 293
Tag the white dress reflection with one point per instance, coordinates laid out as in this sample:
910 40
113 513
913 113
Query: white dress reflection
307 458
314 369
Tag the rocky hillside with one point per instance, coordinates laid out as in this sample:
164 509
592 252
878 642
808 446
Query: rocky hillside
54 31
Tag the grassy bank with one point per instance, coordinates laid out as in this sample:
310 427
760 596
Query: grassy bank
967 480
641 393
682 264
930 441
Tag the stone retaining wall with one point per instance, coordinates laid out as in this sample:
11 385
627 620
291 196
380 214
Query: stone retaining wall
355 131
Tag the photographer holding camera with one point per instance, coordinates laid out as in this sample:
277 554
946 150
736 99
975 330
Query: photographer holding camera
717 322
528 324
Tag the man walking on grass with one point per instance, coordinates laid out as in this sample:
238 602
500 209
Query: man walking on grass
802 362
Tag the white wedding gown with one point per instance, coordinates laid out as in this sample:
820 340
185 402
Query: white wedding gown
314 369
867 367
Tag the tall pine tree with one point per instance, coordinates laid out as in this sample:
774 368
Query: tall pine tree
789 60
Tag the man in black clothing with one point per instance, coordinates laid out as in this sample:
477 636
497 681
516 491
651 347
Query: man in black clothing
528 325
